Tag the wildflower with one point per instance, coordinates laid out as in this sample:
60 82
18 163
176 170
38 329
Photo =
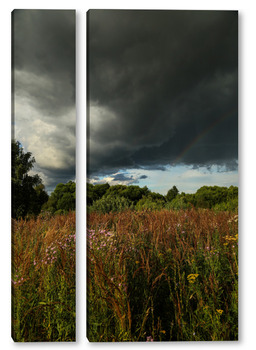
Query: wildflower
150 338
219 311
192 277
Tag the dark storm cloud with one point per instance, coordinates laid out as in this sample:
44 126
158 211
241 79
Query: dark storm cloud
43 64
162 89
44 46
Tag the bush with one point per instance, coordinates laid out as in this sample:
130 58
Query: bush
62 199
110 204
149 203
178 203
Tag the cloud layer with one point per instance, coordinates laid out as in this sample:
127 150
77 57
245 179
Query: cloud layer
162 89
44 90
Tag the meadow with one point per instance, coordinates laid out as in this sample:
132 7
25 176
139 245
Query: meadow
43 278
162 276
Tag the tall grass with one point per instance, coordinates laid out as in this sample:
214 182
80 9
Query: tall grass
43 279
162 276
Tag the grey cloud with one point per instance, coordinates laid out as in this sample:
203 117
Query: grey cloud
44 57
43 65
168 79
44 42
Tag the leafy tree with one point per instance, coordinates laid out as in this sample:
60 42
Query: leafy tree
208 196
172 193
89 193
95 192
99 190
134 193
116 190
28 192
232 193
39 199
110 204
157 196
179 202
148 202
216 197
62 199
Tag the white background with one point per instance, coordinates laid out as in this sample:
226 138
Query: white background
247 159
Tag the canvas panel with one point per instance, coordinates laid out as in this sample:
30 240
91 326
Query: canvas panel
43 176
162 172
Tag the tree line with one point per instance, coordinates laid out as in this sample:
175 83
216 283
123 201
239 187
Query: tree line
105 198
29 197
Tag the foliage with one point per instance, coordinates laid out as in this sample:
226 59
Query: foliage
95 192
208 196
162 276
110 203
43 279
150 202
28 192
62 199
179 202
215 197
132 193
172 193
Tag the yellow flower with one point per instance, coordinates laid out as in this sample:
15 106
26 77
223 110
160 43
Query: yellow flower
192 277
219 311
137 262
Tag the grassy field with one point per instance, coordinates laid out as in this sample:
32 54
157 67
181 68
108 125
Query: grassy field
43 279
162 276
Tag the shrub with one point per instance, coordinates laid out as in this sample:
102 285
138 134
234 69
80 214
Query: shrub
110 204
149 203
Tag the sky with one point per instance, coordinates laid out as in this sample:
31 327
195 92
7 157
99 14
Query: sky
162 98
43 71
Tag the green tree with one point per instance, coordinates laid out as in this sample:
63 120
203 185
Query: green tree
28 192
178 203
135 193
172 193
209 196
62 199
112 203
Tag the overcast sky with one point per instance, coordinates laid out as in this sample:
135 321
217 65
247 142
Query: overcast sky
44 90
163 98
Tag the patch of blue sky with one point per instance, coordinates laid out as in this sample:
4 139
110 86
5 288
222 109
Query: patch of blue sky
185 178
